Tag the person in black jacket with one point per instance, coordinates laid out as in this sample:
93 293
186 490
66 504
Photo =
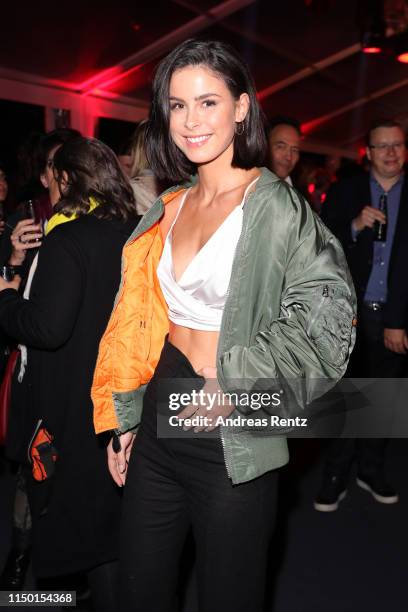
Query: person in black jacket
18 248
75 510
378 267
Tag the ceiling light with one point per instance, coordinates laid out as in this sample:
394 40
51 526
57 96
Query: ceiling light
400 44
372 42
370 19
372 49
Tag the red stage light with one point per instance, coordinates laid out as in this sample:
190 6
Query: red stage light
403 58
311 188
372 49
361 152
115 78
323 198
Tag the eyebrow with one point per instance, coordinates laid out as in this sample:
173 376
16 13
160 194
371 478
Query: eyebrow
206 95
287 144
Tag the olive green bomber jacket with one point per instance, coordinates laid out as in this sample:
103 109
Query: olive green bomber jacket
288 317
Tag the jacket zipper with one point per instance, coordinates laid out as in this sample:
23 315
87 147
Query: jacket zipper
325 295
227 458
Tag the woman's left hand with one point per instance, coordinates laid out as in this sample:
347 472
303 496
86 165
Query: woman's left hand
118 460
14 284
208 411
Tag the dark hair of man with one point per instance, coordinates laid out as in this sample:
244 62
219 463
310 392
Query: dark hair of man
51 140
165 159
283 120
383 123
85 168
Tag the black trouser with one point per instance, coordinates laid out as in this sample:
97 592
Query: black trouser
103 582
174 484
370 360
21 514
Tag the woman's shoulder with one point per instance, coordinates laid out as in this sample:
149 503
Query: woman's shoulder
277 197
170 210
92 225
163 209
89 233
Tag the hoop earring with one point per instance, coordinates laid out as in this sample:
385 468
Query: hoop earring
239 128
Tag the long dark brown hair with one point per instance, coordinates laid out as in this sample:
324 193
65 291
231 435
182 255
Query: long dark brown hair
85 168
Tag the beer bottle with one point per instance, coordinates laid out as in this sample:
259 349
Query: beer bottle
380 229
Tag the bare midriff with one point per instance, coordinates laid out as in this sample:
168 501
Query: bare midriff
200 347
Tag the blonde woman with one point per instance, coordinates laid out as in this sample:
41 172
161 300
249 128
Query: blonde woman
145 185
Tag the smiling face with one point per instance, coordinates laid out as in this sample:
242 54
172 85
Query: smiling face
387 152
203 114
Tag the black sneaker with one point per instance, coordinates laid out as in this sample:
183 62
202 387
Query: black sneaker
330 495
378 487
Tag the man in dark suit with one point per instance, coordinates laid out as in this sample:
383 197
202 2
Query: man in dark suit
379 270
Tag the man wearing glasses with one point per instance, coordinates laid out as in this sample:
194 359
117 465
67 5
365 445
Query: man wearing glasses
369 215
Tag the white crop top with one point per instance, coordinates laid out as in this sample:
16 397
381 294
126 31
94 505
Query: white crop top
197 299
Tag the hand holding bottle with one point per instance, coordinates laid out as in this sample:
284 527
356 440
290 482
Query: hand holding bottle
368 216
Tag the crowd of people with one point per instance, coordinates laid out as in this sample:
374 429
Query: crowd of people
227 284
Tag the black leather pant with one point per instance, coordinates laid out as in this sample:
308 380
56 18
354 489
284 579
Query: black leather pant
174 484
370 360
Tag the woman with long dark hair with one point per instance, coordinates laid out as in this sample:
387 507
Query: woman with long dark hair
73 503
19 248
229 283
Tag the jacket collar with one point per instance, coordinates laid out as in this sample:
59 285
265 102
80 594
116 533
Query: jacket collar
267 178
